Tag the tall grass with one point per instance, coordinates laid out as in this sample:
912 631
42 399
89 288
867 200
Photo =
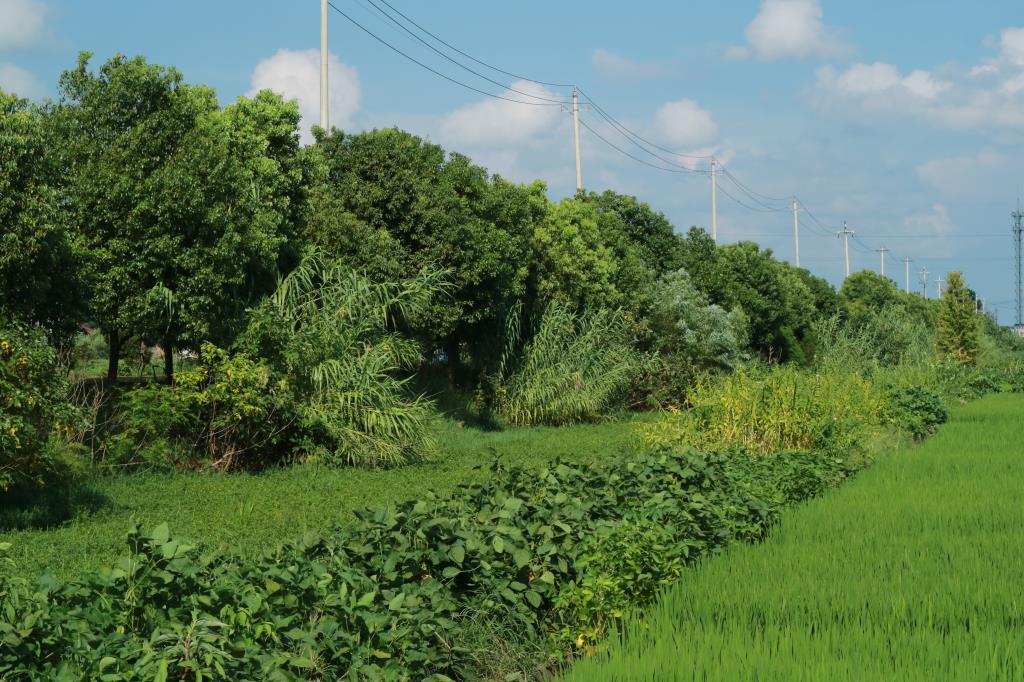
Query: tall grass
575 367
910 572
769 409
336 335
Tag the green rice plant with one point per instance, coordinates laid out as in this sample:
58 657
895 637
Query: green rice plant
767 410
336 336
575 367
910 572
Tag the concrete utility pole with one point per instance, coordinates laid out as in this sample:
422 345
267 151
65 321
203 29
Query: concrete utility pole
938 283
924 281
906 264
846 234
796 229
325 119
576 137
882 251
714 199
1018 231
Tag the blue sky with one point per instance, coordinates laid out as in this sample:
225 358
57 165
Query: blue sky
905 119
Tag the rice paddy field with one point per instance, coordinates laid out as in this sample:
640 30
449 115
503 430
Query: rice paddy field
912 571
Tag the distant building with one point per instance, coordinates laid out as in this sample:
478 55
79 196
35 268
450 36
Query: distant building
1020 330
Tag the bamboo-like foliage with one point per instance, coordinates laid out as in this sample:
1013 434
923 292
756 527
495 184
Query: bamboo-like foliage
574 368
345 355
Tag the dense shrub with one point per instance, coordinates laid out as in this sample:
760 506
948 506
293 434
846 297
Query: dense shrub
33 407
573 368
696 332
916 410
553 554
766 410
224 414
336 339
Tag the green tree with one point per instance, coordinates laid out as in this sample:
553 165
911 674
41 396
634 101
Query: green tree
700 333
958 330
642 228
775 299
38 267
573 264
183 209
440 211
866 291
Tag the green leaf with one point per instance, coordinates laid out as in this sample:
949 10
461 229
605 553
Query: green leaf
521 557
106 662
161 533
271 585
396 603
533 598
366 599
457 553
161 673
498 544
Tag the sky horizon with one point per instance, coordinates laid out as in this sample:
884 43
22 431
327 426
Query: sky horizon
904 119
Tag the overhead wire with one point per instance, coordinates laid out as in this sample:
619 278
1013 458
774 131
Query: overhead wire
753 195
457 63
762 202
471 57
622 151
429 68
633 134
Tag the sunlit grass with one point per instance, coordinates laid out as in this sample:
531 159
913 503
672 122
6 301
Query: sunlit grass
910 572
245 513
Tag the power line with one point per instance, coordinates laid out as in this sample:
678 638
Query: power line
457 63
751 192
622 151
431 69
753 195
471 57
629 133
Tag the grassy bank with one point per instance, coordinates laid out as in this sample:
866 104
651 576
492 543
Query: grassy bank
244 513
910 572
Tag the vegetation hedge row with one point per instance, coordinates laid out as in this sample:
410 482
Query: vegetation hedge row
536 560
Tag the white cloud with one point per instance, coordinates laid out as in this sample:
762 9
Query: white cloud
880 80
934 222
611 66
685 123
937 219
1012 44
295 74
964 175
496 123
22 24
787 29
19 81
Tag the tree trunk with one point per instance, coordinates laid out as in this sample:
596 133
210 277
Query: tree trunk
114 343
451 350
168 362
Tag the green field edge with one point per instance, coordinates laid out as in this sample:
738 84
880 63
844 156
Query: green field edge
910 571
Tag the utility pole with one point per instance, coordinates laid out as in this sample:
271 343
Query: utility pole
1018 231
924 281
846 234
906 264
714 199
796 229
881 250
938 283
325 120
576 137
